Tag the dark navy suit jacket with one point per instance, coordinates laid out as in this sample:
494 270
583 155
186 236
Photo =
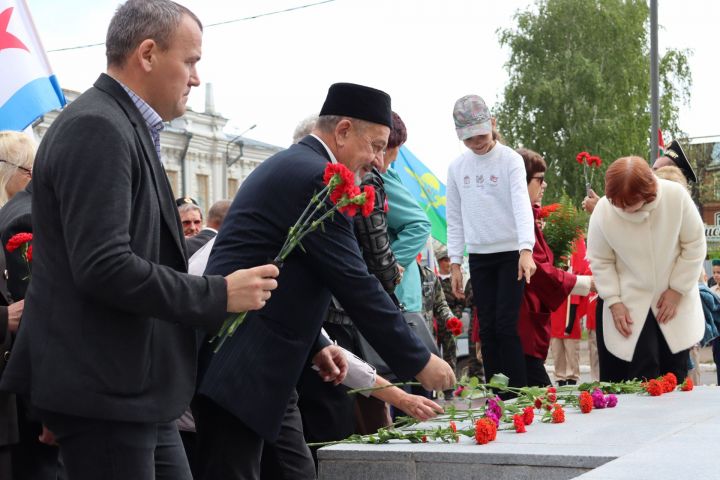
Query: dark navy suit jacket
256 370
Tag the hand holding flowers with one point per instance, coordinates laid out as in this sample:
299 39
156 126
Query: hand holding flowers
339 194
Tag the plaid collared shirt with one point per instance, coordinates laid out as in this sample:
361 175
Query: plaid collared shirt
151 117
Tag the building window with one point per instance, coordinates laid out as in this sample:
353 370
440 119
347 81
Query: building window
174 179
232 187
203 191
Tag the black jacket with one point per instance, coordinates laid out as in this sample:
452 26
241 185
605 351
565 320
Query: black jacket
196 243
254 373
106 330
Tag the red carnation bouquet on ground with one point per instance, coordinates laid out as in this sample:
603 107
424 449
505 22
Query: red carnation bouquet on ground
22 241
340 194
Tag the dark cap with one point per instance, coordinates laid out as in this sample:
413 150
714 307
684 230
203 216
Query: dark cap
358 101
183 200
716 262
675 153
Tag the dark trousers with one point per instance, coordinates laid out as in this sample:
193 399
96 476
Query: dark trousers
229 450
109 450
536 374
498 294
652 356
32 460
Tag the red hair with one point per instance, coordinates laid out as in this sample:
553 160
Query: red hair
628 181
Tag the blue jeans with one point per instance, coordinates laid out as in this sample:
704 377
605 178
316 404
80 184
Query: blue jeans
112 450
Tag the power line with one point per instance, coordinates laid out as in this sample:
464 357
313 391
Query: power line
252 17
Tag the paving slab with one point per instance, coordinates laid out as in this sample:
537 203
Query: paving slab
676 435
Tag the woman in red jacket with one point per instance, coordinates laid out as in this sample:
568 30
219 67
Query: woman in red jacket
549 287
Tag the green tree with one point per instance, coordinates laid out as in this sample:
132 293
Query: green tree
580 80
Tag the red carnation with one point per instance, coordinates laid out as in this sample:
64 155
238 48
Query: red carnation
454 326
581 157
548 209
538 402
594 161
423 439
28 255
17 240
671 380
332 169
369 205
558 415
687 385
343 180
485 431
586 402
528 415
654 388
552 396
350 209
519 423
453 427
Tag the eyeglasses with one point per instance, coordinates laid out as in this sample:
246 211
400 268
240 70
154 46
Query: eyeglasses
26 170
539 177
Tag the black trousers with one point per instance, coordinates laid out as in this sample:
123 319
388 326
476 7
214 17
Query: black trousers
109 450
229 450
652 356
536 374
498 294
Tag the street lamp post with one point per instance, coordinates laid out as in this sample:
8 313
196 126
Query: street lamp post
236 140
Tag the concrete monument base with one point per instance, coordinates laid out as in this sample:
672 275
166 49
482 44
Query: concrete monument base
674 436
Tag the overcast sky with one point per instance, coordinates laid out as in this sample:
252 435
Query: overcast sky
275 70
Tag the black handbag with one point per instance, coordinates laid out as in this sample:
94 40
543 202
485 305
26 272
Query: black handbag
416 322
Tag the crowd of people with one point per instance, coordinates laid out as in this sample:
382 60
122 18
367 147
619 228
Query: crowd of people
109 370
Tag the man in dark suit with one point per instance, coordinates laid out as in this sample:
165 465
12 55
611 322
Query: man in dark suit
215 218
246 404
106 349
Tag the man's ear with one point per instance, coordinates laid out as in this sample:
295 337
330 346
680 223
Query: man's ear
146 53
342 131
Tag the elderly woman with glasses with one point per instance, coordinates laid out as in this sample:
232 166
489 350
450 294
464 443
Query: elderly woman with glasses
549 287
646 245
17 152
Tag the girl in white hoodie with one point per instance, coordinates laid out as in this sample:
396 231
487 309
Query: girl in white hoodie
489 214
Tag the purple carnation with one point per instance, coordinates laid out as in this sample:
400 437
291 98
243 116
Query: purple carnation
611 400
599 399
494 407
491 415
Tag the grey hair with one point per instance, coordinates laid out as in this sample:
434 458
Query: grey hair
189 207
139 20
305 126
327 123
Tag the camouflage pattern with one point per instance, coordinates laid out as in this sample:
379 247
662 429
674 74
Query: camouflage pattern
457 305
435 305
475 364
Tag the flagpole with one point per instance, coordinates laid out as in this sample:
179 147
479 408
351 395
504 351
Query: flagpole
654 88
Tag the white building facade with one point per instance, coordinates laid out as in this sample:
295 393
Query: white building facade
200 160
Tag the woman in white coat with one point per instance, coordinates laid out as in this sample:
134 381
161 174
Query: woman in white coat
646 245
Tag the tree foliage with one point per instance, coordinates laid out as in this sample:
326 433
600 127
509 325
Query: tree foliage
580 80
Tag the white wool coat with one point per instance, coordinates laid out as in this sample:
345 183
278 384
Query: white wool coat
635 257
